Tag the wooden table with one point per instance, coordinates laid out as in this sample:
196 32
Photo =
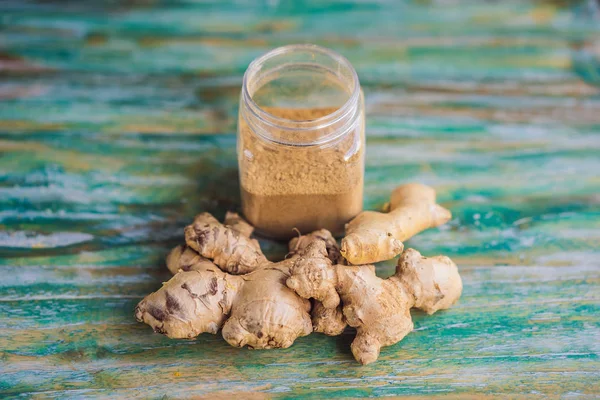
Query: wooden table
117 126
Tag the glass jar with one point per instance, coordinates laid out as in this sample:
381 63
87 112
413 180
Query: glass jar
301 142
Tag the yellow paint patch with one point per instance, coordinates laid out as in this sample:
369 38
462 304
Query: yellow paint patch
69 159
553 61
275 26
426 168
492 17
152 41
543 14
30 126
158 129
8 145
208 122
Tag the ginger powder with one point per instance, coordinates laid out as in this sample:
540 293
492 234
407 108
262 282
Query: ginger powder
301 142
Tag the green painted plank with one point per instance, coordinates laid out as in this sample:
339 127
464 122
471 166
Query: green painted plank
117 125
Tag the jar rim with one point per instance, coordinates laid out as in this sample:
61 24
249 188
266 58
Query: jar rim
343 112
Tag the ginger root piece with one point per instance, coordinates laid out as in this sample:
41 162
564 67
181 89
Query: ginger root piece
373 236
333 250
184 258
187 259
433 281
256 309
237 223
231 250
190 303
266 314
329 321
377 308
268 307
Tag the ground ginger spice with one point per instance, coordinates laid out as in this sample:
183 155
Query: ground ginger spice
301 141
304 187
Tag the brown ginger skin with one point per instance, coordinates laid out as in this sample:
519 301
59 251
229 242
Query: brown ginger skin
231 250
205 300
434 282
259 308
267 314
256 309
237 223
333 250
185 258
329 321
190 303
374 236
377 308
243 327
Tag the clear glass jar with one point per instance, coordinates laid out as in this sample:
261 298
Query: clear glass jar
301 141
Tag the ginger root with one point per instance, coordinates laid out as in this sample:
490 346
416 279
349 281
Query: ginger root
212 292
237 223
185 258
256 309
226 246
329 321
333 250
377 308
222 281
374 236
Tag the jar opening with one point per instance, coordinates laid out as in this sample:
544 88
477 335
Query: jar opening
301 95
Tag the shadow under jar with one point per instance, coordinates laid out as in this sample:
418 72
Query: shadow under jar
301 142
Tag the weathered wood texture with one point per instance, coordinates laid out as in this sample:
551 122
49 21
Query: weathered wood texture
117 125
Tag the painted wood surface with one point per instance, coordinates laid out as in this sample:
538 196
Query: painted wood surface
117 125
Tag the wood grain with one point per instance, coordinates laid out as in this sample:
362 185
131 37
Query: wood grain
117 125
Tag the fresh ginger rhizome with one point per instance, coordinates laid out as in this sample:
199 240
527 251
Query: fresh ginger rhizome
222 281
